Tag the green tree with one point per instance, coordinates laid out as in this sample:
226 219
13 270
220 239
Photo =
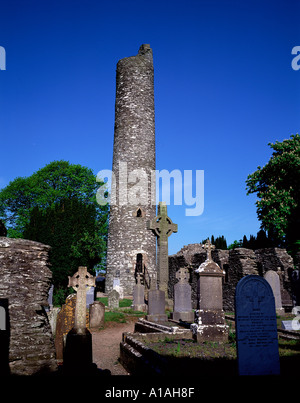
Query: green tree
57 206
277 186
74 234
236 244
57 181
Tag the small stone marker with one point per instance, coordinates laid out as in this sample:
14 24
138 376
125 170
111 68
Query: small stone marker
256 327
113 299
4 337
287 325
96 314
50 298
156 306
90 296
183 297
138 303
273 279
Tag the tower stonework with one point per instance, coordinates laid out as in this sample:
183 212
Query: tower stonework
131 246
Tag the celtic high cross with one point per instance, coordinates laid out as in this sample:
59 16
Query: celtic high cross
163 227
81 282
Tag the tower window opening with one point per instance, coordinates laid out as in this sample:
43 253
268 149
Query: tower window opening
139 213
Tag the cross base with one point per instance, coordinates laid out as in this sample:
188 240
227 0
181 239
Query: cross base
215 333
78 357
157 318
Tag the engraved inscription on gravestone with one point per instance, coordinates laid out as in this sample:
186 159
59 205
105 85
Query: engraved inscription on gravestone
256 327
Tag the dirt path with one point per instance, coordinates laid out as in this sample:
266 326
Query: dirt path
106 346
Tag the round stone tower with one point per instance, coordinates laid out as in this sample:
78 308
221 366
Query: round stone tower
131 246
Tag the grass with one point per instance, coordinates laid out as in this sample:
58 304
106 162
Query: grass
118 317
289 347
124 303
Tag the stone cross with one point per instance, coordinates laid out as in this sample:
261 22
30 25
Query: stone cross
208 246
163 227
255 295
182 275
80 281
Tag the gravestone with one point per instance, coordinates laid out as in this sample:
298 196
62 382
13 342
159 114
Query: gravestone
210 322
96 314
64 323
78 357
156 306
120 291
113 299
287 325
138 303
163 227
90 296
52 315
50 298
4 337
256 327
183 297
273 279
118 288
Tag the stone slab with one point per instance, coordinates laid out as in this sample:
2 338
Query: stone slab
287 325
256 327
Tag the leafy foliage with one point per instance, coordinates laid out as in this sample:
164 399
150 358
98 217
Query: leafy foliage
74 234
57 181
277 186
57 206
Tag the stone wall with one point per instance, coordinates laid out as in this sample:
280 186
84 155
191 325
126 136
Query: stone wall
25 280
236 264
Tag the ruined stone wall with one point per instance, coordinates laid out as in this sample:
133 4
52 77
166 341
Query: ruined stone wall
236 264
134 149
25 280
279 260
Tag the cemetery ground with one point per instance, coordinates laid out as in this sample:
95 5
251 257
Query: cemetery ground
181 355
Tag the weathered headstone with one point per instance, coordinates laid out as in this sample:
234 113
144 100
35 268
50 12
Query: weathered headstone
64 323
50 297
90 296
138 303
156 306
256 327
96 314
183 297
52 317
210 322
4 337
78 356
120 291
113 299
273 279
163 227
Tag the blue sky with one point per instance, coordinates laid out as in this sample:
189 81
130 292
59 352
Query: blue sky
224 89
